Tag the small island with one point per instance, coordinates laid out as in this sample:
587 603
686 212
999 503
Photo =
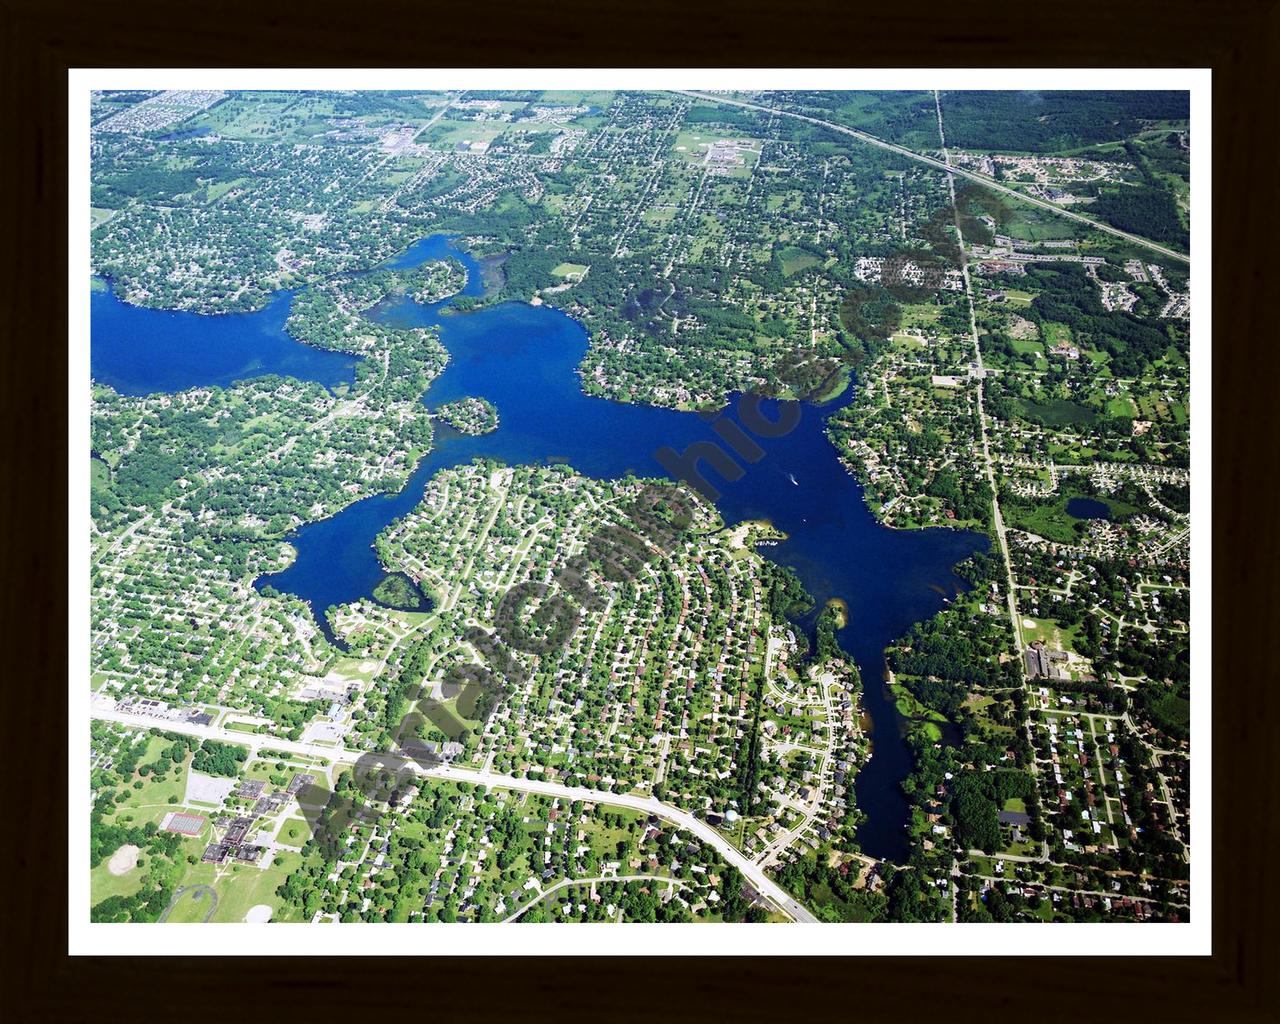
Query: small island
470 415
434 281
398 591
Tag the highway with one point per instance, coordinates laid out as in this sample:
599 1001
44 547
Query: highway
753 873
911 154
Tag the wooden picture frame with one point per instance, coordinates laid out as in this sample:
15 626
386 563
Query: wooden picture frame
1237 39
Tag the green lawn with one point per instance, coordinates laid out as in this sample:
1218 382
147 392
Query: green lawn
1056 333
1049 521
192 907
1050 633
220 188
795 260
578 98
447 134
102 883
1056 412
294 832
99 473
243 886
924 314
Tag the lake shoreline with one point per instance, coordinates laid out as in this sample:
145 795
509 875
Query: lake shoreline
525 359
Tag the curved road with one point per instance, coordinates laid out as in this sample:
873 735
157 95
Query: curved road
911 154
564 883
200 890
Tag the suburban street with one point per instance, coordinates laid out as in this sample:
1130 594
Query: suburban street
997 520
566 883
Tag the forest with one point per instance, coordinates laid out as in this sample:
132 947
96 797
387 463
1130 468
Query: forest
1143 210
976 799
1044 121
1066 295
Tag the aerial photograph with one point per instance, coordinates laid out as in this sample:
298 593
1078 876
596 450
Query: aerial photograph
616 506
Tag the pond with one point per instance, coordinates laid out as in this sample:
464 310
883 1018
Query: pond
1088 508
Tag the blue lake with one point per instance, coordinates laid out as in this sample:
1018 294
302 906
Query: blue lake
142 351
1088 508
523 359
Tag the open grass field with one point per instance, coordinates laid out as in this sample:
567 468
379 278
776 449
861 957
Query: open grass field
446 134
294 832
1057 412
923 314
921 717
102 883
218 189
981 707
192 907
1049 521
1049 633
242 886
601 98
659 216
1030 224
355 668
795 260
1155 407
269 115
1056 333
